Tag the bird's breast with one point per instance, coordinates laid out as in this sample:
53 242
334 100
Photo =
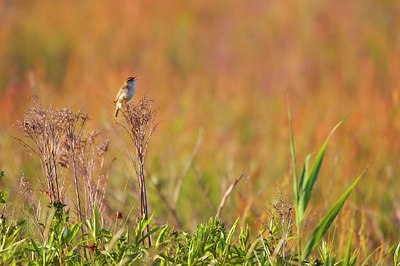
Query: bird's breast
131 92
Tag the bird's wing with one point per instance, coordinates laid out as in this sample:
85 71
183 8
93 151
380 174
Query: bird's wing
120 93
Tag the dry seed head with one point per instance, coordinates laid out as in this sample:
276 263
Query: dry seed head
94 135
140 117
103 148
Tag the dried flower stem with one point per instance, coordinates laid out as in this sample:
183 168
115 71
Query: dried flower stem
47 129
56 137
140 125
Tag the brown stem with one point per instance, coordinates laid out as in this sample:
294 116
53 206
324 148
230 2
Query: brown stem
72 139
227 193
143 193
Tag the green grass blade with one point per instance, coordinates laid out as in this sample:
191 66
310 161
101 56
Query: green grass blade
165 229
311 179
396 256
347 257
231 232
293 153
304 173
35 247
301 204
325 223
294 162
96 224
303 191
371 254
73 232
149 233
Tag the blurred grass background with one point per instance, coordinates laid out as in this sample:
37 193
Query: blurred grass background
222 74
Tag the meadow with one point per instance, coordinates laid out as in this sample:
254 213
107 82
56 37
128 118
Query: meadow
220 169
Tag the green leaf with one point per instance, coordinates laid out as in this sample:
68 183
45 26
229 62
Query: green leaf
327 220
293 153
151 232
231 232
303 190
396 256
141 228
300 204
73 231
347 258
114 239
96 224
161 236
35 246
310 179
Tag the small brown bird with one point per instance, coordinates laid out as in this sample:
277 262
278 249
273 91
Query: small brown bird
125 93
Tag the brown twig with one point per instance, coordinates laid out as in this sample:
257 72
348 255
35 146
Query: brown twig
228 192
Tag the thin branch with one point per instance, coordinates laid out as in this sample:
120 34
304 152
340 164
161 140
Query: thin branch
228 193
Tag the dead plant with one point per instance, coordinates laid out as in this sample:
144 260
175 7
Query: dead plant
140 125
57 138
45 132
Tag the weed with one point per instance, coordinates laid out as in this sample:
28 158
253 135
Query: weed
140 125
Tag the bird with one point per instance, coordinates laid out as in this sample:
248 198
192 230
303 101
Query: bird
125 93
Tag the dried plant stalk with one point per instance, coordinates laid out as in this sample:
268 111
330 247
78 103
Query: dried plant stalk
70 155
45 132
90 158
57 137
228 193
140 125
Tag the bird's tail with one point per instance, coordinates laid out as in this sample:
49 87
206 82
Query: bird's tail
117 109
